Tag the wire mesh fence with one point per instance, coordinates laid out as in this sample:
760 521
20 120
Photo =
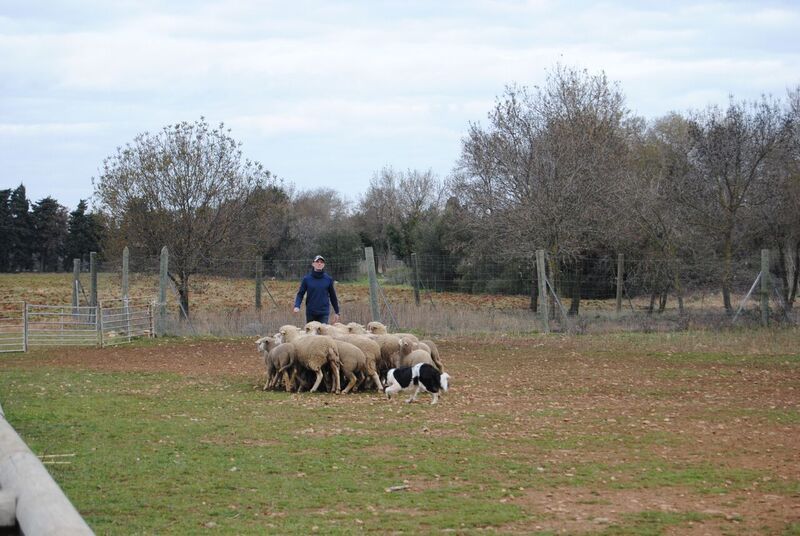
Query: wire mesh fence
591 293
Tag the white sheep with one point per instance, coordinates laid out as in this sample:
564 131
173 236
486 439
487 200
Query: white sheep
276 357
353 363
370 348
411 353
377 328
313 352
434 351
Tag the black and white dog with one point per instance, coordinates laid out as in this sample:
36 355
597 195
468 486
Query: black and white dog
422 376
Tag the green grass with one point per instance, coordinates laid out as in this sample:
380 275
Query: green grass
170 454
161 453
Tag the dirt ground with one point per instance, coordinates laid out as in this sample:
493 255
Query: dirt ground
722 415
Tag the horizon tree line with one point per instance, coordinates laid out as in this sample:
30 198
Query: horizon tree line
565 167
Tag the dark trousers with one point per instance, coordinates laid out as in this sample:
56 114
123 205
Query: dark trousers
323 318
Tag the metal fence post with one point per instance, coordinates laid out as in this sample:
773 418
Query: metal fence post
76 277
99 316
24 326
125 262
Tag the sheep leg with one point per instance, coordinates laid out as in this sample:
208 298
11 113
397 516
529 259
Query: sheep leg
292 379
435 398
270 377
287 382
351 383
335 371
377 380
319 380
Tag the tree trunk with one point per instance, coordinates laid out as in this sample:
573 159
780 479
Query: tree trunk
576 288
183 294
555 283
796 271
727 274
679 293
662 303
652 306
788 257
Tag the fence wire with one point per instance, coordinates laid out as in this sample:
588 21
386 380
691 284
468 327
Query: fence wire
462 295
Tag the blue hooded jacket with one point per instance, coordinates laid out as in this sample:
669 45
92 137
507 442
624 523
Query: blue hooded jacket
321 294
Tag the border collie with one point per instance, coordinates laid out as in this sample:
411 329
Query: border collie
422 376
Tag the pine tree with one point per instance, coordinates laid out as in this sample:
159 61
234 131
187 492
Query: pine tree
21 235
83 235
5 230
50 225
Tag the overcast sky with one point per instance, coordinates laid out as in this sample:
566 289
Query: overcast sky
325 93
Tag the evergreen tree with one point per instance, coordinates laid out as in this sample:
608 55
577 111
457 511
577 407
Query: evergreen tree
49 220
21 235
83 235
5 230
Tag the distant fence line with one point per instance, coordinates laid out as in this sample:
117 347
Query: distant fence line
595 276
599 290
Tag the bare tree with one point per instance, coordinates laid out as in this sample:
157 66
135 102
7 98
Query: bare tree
730 154
542 173
377 210
393 207
778 222
649 222
186 187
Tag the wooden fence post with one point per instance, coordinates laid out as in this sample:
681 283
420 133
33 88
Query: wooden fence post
765 287
373 284
543 303
620 275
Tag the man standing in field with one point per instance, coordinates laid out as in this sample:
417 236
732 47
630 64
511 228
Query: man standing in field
318 286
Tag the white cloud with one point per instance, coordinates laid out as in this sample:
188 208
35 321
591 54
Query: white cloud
364 84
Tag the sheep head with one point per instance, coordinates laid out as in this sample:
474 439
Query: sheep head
313 327
407 345
266 344
376 328
356 328
286 333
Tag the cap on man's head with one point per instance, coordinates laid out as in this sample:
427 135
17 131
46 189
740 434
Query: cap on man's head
319 258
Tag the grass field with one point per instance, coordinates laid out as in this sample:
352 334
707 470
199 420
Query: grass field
683 433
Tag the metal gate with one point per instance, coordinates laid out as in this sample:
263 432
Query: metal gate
61 325
23 325
12 327
123 320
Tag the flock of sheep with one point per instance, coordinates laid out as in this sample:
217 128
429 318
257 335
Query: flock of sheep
353 354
